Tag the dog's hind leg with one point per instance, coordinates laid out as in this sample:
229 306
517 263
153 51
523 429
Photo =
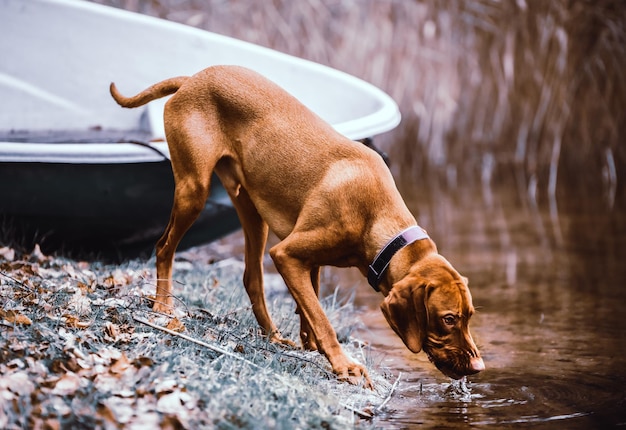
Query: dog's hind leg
255 233
192 185
189 200
184 213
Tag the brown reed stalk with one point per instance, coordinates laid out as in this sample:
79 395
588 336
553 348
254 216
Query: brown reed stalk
531 83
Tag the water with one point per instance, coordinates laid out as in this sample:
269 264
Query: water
548 282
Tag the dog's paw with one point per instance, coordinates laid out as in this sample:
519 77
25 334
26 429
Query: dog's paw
310 346
308 341
277 338
355 374
163 307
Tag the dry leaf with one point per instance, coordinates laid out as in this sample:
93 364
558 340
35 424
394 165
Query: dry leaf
117 278
112 330
109 354
22 319
123 409
17 345
143 361
37 255
120 365
18 383
51 424
7 253
44 423
14 317
15 364
165 386
69 362
171 422
69 337
170 403
176 325
74 321
106 414
79 303
106 382
67 385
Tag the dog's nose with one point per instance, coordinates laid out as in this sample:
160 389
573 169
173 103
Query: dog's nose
476 365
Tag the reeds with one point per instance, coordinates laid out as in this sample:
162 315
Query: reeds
481 84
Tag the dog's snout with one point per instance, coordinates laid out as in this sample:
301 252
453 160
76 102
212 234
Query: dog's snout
476 365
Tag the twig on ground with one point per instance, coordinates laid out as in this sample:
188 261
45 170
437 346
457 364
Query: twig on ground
306 360
393 388
18 283
369 415
196 341
287 354
359 412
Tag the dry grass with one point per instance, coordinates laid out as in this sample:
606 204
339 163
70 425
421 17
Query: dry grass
482 84
79 348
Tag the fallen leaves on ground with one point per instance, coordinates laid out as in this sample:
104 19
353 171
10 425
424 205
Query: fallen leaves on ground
71 354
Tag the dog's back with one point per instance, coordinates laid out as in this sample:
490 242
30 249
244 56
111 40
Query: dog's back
271 145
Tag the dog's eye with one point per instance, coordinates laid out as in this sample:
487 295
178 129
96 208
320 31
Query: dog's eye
449 320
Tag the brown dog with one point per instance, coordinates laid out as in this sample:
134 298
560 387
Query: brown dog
331 201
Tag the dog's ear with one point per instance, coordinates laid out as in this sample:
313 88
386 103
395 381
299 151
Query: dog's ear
405 311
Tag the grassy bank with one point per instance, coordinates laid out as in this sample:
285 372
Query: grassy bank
81 349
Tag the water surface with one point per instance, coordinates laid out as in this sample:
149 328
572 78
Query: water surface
547 280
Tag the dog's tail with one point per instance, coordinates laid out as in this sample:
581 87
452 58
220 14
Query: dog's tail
156 91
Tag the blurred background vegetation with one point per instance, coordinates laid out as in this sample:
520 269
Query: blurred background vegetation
485 87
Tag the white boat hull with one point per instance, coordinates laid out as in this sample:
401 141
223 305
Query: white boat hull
65 156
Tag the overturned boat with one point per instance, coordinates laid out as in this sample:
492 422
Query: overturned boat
79 174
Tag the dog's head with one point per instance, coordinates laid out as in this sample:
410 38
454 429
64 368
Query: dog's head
430 309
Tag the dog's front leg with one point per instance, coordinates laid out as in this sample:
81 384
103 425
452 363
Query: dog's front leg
306 332
297 276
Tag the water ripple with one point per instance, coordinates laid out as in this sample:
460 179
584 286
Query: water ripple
583 401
